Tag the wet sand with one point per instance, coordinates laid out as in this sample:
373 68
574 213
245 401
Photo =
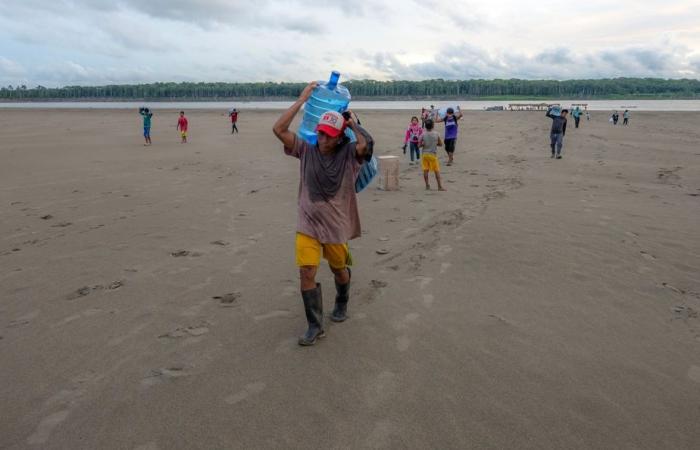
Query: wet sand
149 298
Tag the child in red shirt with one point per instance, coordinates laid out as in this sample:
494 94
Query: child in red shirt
182 126
234 119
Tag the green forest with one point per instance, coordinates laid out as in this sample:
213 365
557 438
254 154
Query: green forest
647 88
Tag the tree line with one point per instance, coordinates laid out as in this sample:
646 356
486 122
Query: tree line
371 89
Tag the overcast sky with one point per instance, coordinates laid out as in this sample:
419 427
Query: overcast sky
61 42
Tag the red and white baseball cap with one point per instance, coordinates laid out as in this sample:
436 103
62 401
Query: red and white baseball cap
331 123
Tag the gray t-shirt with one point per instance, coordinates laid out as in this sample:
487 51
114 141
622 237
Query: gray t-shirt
430 141
327 202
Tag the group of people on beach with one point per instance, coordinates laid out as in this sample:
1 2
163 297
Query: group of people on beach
615 117
147 116
422 141
327 209
182 124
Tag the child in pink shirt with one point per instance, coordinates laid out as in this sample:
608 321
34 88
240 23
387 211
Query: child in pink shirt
414 133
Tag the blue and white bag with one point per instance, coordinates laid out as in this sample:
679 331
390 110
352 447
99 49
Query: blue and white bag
370 166
367 173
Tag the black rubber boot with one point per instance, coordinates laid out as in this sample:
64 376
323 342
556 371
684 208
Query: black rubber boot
313 306
341 300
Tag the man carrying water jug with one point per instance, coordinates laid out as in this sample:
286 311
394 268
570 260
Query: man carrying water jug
327 207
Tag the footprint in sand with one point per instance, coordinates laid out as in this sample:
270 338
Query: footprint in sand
683 312
378 284
164 374
227 299
24 320
249 390
647 256
191 331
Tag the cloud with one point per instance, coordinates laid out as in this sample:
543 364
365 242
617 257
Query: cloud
90 41
10 69
72 73
464 61
555 56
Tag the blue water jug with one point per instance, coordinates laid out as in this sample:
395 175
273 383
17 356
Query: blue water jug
442 112
329 96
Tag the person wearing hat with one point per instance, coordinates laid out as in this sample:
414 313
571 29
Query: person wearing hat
327 207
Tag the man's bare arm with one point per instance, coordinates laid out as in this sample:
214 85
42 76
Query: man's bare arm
361 144
281 127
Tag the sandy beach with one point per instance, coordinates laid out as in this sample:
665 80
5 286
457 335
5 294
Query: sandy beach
149 297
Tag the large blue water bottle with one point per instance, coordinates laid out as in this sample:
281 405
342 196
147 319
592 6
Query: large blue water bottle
329 96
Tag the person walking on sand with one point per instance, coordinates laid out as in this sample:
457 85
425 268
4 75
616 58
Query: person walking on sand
182 125
414 132
234 118
615 117
556 134
588 116
626 117
429 143
327 207
423 117
577 116
146 114
451 130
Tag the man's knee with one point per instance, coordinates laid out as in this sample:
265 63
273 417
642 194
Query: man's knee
307 273
339 271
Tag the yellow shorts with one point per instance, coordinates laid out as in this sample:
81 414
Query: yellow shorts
430 163
183 134
309 252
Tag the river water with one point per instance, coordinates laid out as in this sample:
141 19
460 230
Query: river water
415 105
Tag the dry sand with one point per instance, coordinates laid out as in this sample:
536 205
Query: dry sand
536 304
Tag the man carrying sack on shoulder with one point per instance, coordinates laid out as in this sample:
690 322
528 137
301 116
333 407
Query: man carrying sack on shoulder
328 217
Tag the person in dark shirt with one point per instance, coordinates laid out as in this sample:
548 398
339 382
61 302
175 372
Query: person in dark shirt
557 132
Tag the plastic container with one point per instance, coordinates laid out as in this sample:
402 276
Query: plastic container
442 112
328 96
555 110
